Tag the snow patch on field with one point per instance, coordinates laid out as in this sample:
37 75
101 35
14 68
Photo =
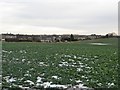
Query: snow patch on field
30 82
55 77
79 69
100 44
50 85
80 86
39 79
64 64
9 79
22 51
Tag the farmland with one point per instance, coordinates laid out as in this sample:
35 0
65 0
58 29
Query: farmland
92 63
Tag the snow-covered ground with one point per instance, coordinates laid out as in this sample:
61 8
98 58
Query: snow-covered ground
100 44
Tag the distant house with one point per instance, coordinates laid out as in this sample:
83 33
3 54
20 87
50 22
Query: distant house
58 39
36 38
112 34
8 37
93 36
65 38
81 37
109 35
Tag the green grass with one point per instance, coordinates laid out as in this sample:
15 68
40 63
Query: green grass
96 64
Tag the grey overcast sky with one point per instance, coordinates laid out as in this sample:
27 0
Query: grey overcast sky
59 16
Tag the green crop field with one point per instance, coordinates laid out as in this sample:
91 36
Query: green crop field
93 63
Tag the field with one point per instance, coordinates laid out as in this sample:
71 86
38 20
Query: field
91 63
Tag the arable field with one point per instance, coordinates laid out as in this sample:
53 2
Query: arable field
91 63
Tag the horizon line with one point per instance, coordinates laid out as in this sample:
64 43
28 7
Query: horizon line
57 34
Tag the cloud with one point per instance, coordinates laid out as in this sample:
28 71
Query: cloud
10 10
38 30
53 16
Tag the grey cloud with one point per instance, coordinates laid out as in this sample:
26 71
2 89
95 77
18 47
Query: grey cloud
89 15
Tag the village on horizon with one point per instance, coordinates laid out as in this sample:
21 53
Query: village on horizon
8 37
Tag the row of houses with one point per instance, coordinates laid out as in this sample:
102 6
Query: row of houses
46 38
49 38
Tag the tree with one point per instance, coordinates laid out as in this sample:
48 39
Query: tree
71 37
